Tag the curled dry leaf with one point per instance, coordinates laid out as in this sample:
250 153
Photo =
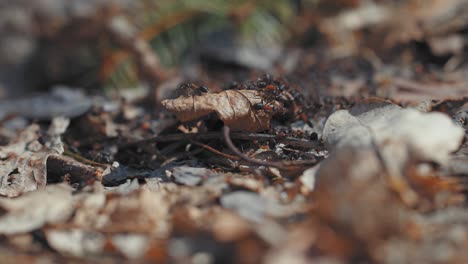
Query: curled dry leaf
236 108
23 161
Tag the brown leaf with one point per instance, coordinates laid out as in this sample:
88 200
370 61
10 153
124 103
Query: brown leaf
349 196
234 107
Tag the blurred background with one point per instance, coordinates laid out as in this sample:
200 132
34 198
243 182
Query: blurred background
107 46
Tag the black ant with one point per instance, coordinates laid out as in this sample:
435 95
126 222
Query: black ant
189 89
233 85
264 80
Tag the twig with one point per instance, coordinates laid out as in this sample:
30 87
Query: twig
291 141
207 147
277 164
83 159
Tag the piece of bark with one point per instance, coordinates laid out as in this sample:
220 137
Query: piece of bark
61 167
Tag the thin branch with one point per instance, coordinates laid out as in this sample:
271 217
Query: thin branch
291 141
283 165
209 148
234 149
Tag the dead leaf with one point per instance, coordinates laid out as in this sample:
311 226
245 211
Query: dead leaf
349 196
228 226
33 210
308 178
400 133
403 90
401 137
132 246
234 107
76 242
254 207
148 211
191 176
61 101
23 161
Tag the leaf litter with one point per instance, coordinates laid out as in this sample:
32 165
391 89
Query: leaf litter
24 160
297 168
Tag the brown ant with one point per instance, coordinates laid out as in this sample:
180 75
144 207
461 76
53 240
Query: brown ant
265 107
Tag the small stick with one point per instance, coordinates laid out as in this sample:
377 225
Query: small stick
209 148
234 149
295 142
84 160
282 165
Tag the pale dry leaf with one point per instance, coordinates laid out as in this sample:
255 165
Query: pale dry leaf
61 101
191 176
76 242
132 246
254 207
234 107
23 161
148 211
400 133
33 210
309 177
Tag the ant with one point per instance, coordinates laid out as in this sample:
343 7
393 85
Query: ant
265 107
264 80
188 89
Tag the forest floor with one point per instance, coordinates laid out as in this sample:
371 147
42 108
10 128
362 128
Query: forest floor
348 150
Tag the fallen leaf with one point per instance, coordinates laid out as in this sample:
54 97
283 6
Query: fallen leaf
308 178
399 133
234 107
33 210
138 211
23 161
400 138
132 246
228 226
253 206
191 176
61 101
76 242
351 197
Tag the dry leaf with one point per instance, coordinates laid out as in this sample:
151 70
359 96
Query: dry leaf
76 242
191 176
349 196
400 133
234 107
148 211
402 137
61 101
33 210
23 161
254 207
